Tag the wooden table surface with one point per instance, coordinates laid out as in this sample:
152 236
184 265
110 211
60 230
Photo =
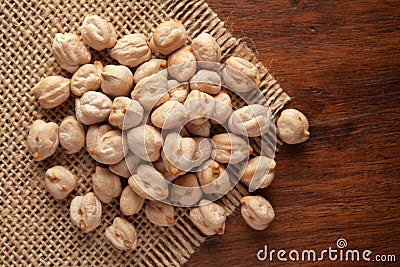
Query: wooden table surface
340 62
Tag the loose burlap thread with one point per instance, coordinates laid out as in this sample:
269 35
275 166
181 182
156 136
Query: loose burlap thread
35 228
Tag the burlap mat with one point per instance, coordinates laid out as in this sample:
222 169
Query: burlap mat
35 229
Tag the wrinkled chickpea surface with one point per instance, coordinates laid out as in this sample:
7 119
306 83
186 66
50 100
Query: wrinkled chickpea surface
111 98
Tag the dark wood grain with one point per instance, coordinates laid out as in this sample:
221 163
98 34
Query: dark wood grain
340 62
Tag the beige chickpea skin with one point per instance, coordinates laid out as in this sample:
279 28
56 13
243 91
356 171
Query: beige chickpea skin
178 153
160 166
106 185
87 78
245 67
199 106
187 191
206 81
97 32
127 166
94 135
71 135
240 75
92 107
148 68
60 182
131 50
209 218
168 37
160 213
169 115
85 212
70 52
213 178
182 64
223 108
104 144
117 80
43 139
206 49
252 120
177 91
145 141
122 235
203 130
126 113
130 203
149 183
230 148
52 91
151 91
203 150
257 212
292 127
258 173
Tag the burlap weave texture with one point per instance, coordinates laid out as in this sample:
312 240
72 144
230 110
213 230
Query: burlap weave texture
35 229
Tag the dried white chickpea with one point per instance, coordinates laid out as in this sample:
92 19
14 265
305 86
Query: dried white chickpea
230 148
127 166
98 33
52 91
126 113
245 67
182 64
199 105
131 50
94 134
42 139
214 178
209 218
252 120
122 235
205 48
87 78
160 213
202 106
259 172
130 203
203 150
149 183
60 182
106 185
223 108
292 127
145 142
186 191
160 166
240 75
70 52
177 91
151 91
92 107
104 144
71 135
169 115
117 80
199 129
178 153
168 37
148 68
257 212
206 81
85 212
